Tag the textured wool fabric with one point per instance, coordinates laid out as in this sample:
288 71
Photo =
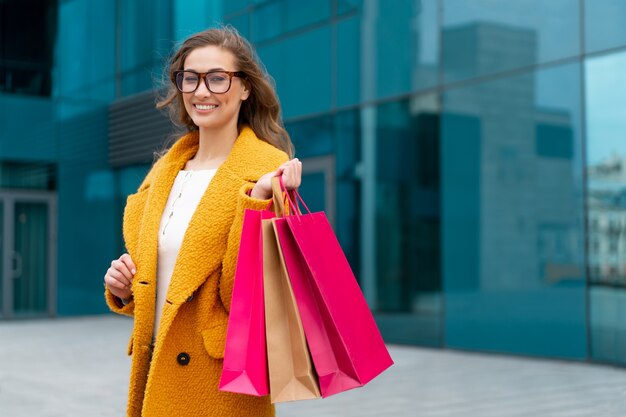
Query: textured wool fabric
182 377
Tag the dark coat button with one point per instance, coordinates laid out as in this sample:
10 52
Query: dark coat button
183 358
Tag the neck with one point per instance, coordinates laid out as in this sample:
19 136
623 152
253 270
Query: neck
214 146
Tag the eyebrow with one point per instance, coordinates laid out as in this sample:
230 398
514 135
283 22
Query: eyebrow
212 69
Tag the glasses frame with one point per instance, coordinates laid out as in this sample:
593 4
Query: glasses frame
204 76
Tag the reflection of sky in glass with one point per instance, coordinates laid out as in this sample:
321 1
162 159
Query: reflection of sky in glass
606 107
604 24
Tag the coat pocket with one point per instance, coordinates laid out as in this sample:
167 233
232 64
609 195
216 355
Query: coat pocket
214 339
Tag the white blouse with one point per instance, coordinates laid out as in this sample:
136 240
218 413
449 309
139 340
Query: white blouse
186 193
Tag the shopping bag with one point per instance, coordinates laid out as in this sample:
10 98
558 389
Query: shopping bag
245 357
346 346
291 372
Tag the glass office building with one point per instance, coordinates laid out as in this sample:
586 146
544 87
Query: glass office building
469 153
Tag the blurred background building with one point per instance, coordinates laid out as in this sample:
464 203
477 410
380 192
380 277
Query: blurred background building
471 154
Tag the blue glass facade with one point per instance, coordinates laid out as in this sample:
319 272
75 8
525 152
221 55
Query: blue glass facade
468 153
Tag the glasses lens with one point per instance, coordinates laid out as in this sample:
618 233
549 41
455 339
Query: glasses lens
219 82
186 81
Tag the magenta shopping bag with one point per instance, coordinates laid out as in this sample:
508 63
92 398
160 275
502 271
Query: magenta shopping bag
345 343
245 354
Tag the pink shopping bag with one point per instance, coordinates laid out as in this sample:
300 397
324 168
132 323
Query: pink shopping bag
245 354
345 343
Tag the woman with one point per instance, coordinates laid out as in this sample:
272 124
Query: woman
182 228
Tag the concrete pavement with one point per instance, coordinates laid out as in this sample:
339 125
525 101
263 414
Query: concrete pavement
78 367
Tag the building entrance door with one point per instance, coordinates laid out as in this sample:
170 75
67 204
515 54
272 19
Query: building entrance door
27 253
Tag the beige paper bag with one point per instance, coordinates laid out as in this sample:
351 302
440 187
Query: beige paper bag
291 373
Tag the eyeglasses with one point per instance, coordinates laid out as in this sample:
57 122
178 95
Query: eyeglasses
217 82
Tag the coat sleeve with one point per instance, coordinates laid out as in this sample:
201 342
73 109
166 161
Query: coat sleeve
229 264
116 305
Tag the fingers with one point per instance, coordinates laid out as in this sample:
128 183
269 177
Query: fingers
119 276
291 172
130 265
119 266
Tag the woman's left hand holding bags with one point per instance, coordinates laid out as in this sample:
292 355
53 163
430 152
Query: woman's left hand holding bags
291 172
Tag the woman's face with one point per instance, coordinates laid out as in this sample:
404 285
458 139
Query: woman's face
223 109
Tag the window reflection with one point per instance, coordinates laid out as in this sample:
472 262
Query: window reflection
298 58
145 27
408 217
482 37
606 205
27 39
512 214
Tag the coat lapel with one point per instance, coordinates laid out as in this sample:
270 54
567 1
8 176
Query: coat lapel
209 224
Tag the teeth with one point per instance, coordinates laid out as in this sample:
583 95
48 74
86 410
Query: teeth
207 107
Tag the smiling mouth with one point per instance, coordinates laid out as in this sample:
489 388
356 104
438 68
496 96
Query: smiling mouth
205 106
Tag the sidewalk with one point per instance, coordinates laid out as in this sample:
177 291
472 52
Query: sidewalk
78 367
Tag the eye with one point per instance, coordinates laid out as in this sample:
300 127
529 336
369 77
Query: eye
218 78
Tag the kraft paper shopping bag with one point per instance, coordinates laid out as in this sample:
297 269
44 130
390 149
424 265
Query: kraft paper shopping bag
291 372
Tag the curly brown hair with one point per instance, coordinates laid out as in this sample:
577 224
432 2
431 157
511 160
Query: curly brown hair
261 110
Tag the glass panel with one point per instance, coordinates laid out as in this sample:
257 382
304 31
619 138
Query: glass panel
37 142
279 17
146 29
267 22
349 6
298 58
300 13
30 259
85 61
312 137
232 6
408 218
604 24
408 26
27 35
483 37
403 51
606 204
191 16
313 191
39 176
513 236
348 90
241 23
137 81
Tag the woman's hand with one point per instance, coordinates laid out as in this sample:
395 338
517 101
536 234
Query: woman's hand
291 171
119 277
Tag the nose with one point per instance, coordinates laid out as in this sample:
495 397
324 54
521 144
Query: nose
202 90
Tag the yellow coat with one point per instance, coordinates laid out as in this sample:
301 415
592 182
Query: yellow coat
195 314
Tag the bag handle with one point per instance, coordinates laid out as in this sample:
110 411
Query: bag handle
282 199
278 199
294 198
